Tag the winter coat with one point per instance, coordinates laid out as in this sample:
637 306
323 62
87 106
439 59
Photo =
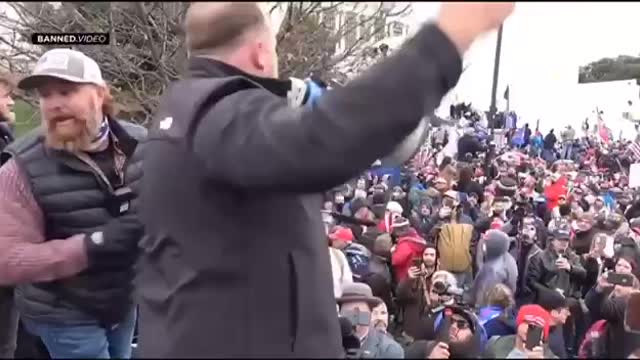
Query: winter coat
409 246
378 345
473 349
543 273
523 291
499 267
550 141
619 343
496 321
468 144
229 159
411 297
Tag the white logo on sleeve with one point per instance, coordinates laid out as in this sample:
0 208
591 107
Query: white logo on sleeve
166 123
97 238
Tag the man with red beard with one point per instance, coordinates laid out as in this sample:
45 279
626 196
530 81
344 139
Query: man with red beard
68 214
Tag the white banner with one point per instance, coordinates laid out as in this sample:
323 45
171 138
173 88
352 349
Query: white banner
634 175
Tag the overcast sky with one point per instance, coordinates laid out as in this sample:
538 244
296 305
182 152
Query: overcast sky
543 45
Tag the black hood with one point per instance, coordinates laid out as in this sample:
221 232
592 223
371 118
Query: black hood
472 348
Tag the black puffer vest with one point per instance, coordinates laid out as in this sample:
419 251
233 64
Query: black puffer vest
74 200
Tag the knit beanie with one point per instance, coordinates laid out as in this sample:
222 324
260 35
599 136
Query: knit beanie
552 300
506 186
394 207
400 225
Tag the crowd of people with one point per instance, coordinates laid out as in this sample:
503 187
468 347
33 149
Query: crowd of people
208 232
525 239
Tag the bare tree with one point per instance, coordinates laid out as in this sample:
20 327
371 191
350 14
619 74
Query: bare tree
147 42
146 52
332 40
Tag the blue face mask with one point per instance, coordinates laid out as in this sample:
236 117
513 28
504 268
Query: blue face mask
103 132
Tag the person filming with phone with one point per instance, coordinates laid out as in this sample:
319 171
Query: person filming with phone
557 267
458 336
608 301
530 341
356 305
414 292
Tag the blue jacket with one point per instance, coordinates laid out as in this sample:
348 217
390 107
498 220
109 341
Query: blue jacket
496 325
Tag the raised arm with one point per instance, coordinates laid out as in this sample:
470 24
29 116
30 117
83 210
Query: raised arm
254 139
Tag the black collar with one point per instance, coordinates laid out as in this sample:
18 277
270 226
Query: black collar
125 140
201 67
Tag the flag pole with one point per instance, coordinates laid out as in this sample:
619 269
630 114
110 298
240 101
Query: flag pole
496 68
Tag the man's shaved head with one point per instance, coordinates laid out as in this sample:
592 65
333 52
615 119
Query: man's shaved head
211 26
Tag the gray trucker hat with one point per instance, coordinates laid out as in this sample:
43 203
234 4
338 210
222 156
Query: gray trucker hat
65 64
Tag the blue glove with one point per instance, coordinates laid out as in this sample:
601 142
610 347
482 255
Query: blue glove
314 92
304 92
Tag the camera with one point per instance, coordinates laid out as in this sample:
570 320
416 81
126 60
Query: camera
442 288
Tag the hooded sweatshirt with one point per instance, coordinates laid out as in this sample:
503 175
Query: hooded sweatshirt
499 267
410 246
472 348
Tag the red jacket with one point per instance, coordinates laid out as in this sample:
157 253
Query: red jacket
409 247
553 192
385 224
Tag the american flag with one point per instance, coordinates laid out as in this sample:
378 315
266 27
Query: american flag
634 151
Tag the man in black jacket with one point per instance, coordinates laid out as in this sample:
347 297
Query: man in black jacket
468 144
236 262
557 268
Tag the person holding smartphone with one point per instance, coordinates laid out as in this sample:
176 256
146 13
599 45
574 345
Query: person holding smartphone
529 342
413 293
608 301
458 338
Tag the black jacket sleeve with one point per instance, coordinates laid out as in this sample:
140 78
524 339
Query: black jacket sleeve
592 269
613 309
407 291
534 275
578 272
593 301
252 138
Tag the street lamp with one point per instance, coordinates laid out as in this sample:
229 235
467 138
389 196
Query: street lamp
496 69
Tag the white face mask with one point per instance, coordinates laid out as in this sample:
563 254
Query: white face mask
444 212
